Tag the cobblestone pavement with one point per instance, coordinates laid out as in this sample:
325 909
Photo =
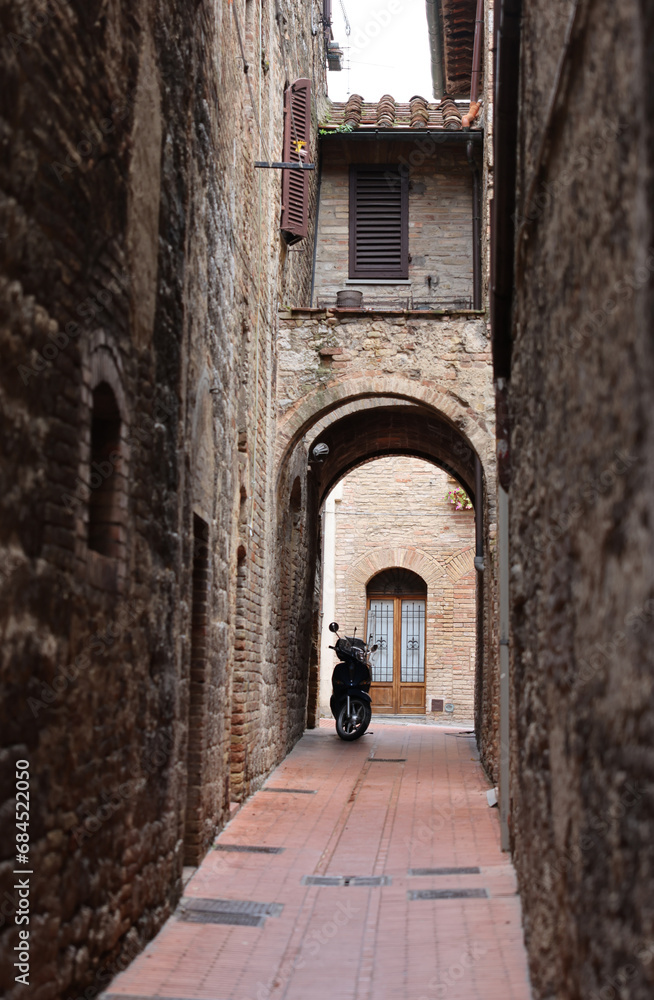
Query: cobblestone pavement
399 805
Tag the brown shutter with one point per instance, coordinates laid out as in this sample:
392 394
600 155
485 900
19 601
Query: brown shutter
379 222
295 183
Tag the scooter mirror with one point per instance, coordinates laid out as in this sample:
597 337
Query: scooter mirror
333 627
374 648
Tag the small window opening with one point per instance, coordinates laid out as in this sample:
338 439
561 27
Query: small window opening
295 502
194 835
104 474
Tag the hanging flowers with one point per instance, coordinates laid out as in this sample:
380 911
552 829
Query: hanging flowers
459 498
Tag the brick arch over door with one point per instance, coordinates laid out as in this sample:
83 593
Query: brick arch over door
367 566
375 560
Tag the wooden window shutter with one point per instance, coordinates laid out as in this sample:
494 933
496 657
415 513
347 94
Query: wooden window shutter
295 183
379 222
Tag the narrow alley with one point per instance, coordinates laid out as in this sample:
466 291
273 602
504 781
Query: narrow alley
318 313
364 870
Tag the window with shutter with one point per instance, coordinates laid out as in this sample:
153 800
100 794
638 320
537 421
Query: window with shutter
379 222
295 183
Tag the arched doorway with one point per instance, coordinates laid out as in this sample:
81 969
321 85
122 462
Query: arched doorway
396 617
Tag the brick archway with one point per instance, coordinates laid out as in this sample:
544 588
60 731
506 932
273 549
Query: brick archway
360 394
368 417
375 560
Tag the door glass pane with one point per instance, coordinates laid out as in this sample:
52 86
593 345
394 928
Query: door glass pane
413 642
380 630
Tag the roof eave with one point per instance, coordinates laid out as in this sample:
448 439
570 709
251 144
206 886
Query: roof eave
436 47
439 135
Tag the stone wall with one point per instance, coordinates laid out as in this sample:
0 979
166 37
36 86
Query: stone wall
581 502
140 250
440 222
395 512
320 347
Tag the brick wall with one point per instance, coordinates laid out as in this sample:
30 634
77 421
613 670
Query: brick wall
140 249
440 222
395 512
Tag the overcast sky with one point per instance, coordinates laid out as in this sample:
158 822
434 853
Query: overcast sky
389 50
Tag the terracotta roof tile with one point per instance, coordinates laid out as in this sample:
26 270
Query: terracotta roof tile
417 113
459 33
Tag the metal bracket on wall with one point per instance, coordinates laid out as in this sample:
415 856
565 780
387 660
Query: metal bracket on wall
284 166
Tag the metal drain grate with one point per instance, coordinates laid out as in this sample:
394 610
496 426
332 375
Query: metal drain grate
247 849
447 894
227 911
346 880
387 760
234 919
292 791
444 871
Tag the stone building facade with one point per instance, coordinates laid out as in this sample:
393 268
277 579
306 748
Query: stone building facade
142 268
395 514
160 512
440 208
576 364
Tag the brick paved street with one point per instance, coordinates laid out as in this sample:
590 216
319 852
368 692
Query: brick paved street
419 803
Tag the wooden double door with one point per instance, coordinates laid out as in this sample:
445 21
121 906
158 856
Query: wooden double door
397 625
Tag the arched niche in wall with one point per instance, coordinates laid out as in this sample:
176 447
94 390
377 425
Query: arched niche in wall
104 521
102 485
203 449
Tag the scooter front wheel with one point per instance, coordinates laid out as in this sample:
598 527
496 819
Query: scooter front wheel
351 727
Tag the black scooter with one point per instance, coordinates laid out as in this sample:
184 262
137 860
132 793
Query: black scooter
350 702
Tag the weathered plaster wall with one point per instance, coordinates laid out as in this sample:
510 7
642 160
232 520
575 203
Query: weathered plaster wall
440 221
582 504
140 247
395 512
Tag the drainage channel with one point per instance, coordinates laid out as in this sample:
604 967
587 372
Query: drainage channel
248 849
244 912
291 791
444 871
447 894
356 880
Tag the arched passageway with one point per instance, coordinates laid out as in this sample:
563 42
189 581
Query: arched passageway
398 562
355 430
